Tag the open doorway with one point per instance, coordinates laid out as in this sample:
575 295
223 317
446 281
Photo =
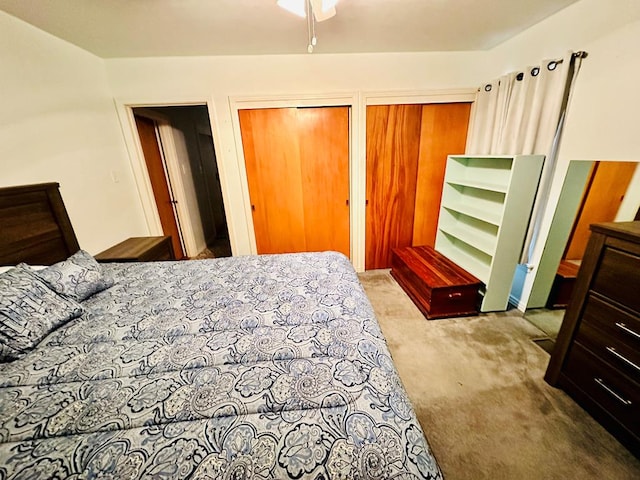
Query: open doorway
181 163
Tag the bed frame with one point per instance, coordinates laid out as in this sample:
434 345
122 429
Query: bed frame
34 225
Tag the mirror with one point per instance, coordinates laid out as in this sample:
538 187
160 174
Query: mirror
592 192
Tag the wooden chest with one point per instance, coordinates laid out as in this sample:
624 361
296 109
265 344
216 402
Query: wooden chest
437 286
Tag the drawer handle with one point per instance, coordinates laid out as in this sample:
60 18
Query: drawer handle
624 401
622 326
623 358
455 295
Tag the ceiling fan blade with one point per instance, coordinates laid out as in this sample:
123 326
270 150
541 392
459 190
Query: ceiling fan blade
297 7
323 9
324 15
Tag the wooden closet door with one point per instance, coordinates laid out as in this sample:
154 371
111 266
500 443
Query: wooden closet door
443 132
272 158
297 163
324 157
393 139
407 148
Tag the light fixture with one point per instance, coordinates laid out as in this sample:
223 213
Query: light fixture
322 9
314 11
297 7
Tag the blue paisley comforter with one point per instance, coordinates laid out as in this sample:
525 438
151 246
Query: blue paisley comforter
248 367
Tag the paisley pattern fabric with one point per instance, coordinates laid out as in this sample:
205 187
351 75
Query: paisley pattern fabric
264 367
78 277
29 310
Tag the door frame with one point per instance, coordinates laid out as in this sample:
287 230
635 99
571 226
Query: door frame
237 206
351 99
388 97
168 155
358 102
124 108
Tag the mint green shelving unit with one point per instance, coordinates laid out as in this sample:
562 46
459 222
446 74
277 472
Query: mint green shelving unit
484 213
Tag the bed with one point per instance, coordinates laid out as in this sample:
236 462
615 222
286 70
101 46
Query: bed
268 366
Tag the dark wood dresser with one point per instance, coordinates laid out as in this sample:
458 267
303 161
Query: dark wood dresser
139 249
596 359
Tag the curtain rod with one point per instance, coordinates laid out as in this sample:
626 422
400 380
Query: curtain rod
579 54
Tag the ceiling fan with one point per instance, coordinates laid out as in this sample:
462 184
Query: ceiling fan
313 11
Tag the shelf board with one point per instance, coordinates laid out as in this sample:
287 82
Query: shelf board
467 260
493 187
491 217
482 242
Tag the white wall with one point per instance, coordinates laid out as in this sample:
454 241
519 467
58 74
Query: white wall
220 79
609 31
602 122
58 123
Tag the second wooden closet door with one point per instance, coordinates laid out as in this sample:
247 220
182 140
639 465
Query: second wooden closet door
407 148
297 162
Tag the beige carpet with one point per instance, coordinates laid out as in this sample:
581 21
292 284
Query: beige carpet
220 248
477 386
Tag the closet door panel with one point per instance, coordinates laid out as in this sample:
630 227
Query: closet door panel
393 136
272 158
443 132
324 162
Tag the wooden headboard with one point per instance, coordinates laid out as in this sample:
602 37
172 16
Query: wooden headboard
34 225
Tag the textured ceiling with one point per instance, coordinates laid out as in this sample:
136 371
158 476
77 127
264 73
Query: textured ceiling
143 28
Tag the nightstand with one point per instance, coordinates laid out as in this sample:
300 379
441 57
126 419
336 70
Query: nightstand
139 249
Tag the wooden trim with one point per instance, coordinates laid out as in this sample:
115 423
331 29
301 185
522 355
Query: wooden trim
356 155
574 309
460 95
139 249
40 231
624 230
60 213
124 108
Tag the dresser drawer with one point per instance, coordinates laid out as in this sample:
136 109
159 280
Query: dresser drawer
618 277
608 349
610 333
610 389
608 317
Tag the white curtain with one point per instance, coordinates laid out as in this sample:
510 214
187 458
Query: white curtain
523 113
